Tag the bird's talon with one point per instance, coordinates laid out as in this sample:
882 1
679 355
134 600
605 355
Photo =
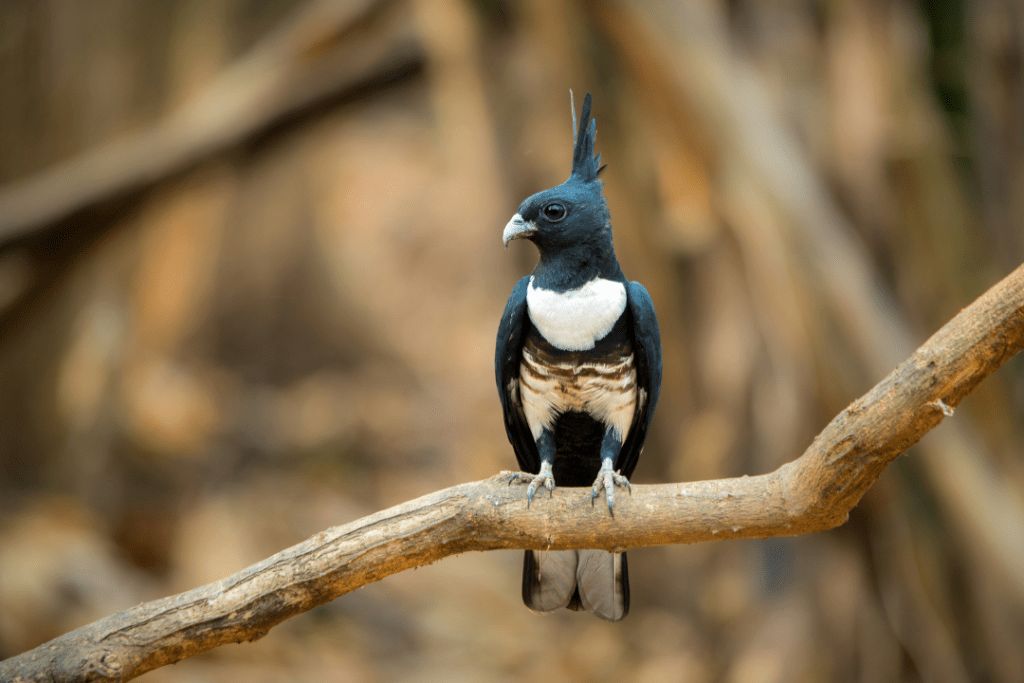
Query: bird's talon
536 481
607 481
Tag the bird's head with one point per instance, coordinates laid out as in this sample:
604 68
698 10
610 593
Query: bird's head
573 214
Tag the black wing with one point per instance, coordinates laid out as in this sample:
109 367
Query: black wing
647 357
508 354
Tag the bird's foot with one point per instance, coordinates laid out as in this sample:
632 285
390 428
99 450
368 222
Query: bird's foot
543 479
607 480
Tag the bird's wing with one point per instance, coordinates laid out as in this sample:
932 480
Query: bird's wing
507 356
647 356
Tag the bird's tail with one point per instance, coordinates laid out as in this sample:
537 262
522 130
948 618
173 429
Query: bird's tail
595 580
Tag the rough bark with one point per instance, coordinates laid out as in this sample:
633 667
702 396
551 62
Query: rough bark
813 493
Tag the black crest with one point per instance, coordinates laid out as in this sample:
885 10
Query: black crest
585 166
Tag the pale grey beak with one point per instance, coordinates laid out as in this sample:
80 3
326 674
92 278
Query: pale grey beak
517 228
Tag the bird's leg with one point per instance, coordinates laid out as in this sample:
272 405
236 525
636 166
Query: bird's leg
545 478
608 478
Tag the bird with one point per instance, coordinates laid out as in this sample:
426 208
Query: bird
578 367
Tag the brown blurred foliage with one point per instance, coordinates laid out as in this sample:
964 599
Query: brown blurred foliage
296 326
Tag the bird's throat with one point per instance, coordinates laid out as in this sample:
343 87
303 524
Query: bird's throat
572 268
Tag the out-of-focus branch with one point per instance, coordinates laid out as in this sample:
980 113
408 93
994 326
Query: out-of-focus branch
813 493
323 52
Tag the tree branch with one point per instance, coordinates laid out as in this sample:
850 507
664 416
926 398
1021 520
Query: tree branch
316 56
683 56
813 493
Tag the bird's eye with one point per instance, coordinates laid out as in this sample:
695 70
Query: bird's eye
554 212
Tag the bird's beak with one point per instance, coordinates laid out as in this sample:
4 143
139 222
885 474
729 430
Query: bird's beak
517 228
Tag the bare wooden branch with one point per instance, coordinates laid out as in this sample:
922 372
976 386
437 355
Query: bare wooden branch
686 59
813 493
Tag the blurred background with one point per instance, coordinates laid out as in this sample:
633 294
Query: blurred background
251 272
